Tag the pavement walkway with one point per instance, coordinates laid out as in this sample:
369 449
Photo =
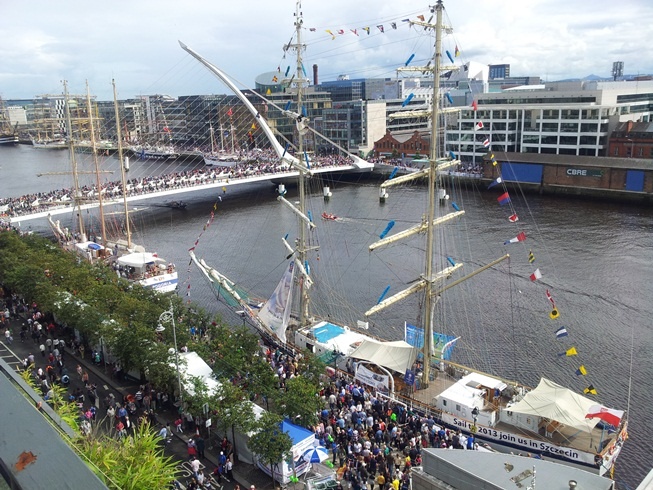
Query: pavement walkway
244 474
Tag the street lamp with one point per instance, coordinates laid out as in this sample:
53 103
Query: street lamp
165 317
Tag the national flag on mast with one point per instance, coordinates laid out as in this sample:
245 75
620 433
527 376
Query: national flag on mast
486 142
536 275
230 112
504 198
609 415
474 105
521 236
561 332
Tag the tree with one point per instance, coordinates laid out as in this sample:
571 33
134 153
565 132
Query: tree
269 442
301 401
233 411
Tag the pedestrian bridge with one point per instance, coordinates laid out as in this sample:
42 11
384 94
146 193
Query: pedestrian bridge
28 207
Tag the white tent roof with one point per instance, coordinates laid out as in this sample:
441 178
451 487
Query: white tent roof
195 367
139 259
555 402
397 356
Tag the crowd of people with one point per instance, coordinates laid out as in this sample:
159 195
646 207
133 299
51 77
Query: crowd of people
266 163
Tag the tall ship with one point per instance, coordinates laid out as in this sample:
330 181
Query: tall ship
548 420
130 261
8 133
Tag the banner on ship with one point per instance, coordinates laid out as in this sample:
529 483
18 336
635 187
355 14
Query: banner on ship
370 378
518 440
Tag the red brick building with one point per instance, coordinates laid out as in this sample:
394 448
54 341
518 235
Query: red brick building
413 144
631 140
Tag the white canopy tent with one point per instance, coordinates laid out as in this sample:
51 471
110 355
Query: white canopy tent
397 356
555 402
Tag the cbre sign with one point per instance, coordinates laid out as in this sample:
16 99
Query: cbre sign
584 172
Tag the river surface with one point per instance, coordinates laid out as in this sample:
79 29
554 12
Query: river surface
596 259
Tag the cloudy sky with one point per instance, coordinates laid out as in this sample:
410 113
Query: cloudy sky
46 41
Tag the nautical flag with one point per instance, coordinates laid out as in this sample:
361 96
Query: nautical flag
550 298
355 31
408 99
341 31
496 182
521 236
504 198
410 58
531 257
554 313
513 218
405 20
569 352
449 56
421 17
457 51
331 34
367 29
536 275
561 332
609 415
590 390
393 24
380 28
479 125
581 371
312 29
449 98
452 155
474 105
486 142
166 129
230 112
275 79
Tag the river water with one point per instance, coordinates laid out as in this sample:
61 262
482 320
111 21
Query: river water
596 259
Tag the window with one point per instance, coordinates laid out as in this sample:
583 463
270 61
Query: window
444 403
458 407
550 127
568 140
616 151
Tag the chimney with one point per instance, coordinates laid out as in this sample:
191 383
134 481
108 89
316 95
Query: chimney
314 74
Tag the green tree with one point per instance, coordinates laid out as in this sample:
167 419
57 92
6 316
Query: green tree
269 442
301 401
233 411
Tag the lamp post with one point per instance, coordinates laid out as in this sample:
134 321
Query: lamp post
475 416
169 316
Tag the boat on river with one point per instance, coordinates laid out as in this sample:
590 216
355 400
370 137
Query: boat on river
549 420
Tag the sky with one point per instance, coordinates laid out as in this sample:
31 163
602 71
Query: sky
136 43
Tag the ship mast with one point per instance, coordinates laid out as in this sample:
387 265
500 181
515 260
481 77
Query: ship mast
103 232
73 162
122 165
300 80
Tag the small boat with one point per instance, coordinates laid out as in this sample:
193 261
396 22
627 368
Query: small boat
329 217
172 205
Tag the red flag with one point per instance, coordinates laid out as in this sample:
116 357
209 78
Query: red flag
514 218
536 275
474 105
166 129
521 236
230 112
479 125
421 17
609 415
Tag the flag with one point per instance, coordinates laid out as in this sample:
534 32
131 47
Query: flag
590 390
479 125
581 371
380 28
561 332
331 34
554 314
457 51
355 31
531 257
230 112
367 29
486 142
496 182
569 352
609 415
536 275
341 31
550 298
474 105
504 198
513 218
312 29
521 236
405 20
275 79
166 129
393 25
421 17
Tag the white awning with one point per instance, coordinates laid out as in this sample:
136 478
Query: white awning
139 259
397 356
555 402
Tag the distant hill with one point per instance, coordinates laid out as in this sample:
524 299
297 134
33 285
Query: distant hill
592 78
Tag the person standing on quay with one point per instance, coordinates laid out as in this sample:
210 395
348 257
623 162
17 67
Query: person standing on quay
199 443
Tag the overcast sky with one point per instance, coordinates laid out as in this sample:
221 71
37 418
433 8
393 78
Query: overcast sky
46 41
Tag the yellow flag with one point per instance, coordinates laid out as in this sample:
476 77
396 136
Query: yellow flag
571 352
